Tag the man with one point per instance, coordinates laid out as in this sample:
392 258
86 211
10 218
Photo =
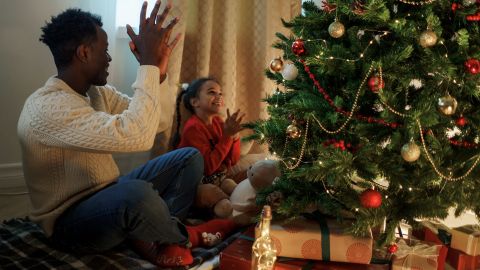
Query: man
70 127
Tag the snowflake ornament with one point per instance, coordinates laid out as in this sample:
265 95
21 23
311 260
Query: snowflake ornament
385 143
378 107
453 132
360 34
416 83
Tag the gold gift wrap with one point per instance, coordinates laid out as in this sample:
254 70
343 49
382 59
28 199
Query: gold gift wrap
416 255
467 239
302 238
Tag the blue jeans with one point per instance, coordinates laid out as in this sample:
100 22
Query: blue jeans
145 204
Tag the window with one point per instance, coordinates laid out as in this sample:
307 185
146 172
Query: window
128 11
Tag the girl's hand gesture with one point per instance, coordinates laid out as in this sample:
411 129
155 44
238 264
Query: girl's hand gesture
233 123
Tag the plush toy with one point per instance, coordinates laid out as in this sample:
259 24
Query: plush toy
260 175
215 196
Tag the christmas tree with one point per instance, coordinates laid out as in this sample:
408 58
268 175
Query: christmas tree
375 112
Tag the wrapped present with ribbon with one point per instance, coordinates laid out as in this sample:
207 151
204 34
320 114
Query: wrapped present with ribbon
318 238
238 256
416 255
467 239
436 232
462 261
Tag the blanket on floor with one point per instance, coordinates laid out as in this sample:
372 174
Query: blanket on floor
24 246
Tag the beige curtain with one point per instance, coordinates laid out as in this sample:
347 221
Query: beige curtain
230 40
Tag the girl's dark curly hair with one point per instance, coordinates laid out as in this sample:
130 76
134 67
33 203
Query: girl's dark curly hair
67 31
185 96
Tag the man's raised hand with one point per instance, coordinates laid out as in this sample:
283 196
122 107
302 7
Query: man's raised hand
152 45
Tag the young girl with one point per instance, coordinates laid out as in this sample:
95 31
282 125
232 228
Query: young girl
217 140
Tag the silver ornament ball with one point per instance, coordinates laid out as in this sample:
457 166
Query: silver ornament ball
290 71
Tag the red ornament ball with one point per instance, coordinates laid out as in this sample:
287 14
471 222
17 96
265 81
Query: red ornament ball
462 121
371 198
375 83
472 66
473 18
454 6
392 248
298 47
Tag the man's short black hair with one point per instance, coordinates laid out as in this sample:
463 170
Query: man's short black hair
67 31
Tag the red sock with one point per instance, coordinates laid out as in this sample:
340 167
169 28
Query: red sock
174 255
219 227
163 256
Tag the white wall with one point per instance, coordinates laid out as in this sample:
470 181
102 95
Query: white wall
26 63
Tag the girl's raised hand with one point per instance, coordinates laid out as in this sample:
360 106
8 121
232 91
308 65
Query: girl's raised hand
233 123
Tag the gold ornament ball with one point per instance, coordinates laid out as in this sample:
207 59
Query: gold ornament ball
276 65
336 29
410 152
293 132
447 105
428 39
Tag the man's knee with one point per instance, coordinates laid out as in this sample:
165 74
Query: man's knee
194 159
138 193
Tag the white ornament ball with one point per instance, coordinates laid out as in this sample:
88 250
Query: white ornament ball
290 71
410 152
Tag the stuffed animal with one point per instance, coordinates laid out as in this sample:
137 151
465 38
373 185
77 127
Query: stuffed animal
214 193
215 196
259 176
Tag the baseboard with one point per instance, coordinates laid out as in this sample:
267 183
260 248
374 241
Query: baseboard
11 177
11 174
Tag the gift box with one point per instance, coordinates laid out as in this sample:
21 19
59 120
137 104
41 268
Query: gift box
438 233
320 239
416 255
466 239
433 231
462 261
238 256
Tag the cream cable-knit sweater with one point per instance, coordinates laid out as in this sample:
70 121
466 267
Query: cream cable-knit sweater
67 139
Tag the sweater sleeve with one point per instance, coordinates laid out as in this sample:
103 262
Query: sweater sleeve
118 102
196 136
66 120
